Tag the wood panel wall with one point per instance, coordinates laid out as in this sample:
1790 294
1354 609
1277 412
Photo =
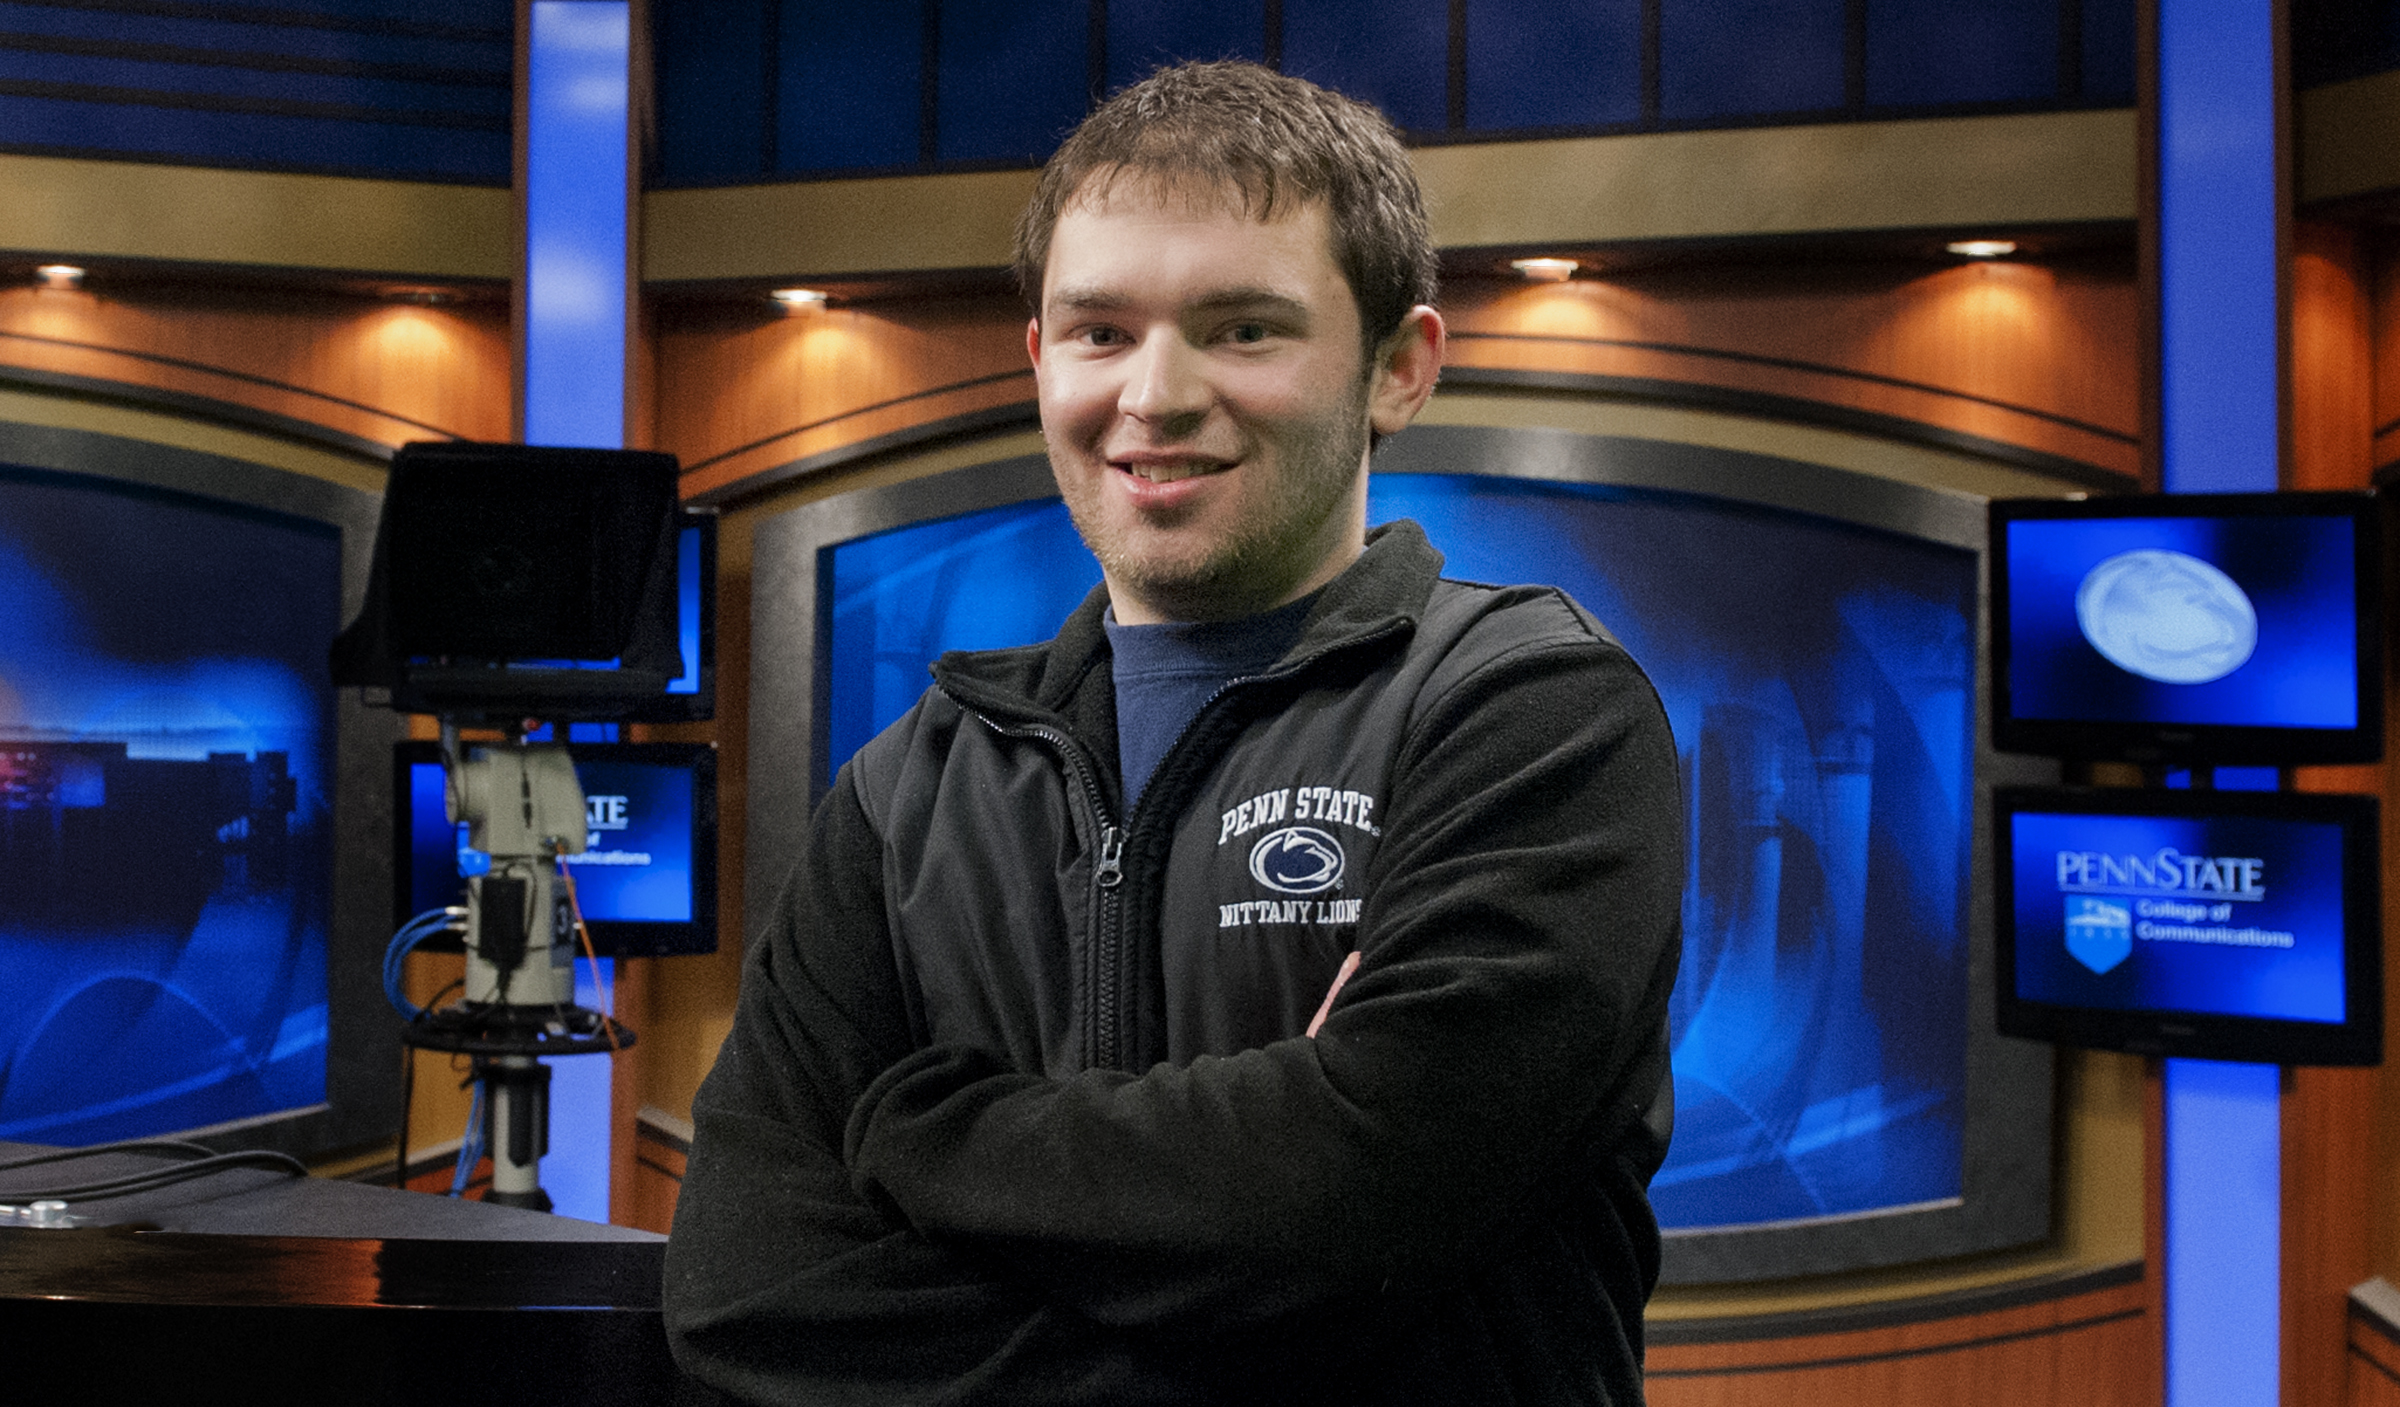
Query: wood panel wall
2038 355
2382 277
2373 1359
2042 355
380 370
745 386
2090 1349
2338 1125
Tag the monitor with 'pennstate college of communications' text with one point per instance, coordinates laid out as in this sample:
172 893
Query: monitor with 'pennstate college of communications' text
2222 925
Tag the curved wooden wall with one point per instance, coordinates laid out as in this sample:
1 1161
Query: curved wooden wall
746 387
348 369
2372 1356
2090 1347
2038 357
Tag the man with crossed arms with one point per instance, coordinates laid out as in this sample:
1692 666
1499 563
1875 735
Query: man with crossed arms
1257 992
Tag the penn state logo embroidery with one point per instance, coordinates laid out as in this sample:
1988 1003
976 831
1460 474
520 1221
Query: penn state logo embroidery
1297 860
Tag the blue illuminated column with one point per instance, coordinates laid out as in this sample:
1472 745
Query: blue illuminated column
577 81
2219 207
578 68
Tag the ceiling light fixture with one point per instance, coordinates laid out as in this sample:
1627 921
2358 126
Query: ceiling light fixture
59 276
1545 270
799 297
1982 248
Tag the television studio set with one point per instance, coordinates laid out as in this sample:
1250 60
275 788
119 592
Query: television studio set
486 484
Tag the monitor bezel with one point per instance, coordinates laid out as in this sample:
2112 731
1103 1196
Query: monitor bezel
700 705
611 938
362 1063
2356 1040
2118 740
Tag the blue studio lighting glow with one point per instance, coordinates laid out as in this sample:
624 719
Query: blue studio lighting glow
2217 131
577 81
2216 213
575 230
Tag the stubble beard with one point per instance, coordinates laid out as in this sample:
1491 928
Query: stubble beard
1264 557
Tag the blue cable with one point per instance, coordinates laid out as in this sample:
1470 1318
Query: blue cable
411 933
470 1147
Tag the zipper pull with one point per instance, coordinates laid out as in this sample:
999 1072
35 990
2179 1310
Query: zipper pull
1112 850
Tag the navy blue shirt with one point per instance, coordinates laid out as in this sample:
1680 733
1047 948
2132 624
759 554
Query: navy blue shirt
1164 673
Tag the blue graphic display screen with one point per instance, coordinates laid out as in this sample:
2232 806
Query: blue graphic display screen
166 760
648 857
2223 621
1819 679
2233 915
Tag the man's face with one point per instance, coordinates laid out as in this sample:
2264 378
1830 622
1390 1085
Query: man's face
1206 401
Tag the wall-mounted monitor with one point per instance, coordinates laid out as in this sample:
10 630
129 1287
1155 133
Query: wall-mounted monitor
2195 628
182 809
647 879
1812 634
2223 925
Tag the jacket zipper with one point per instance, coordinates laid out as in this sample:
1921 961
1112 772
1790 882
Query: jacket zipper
1108 873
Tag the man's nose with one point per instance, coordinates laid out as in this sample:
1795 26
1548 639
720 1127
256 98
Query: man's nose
1166 386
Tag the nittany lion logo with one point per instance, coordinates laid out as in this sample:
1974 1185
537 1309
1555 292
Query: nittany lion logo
1297 860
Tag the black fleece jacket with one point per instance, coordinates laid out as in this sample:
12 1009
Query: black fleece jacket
1018 1108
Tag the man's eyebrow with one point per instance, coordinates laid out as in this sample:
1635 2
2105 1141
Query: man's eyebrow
1258 299
1097 299
1093 299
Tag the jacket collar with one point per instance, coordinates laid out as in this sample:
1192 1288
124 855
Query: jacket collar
1380 596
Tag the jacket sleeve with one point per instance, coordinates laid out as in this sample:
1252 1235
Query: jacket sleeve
1504 1031
784 1283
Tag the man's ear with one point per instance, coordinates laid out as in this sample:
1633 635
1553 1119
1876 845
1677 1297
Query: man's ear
1406 366
1033 340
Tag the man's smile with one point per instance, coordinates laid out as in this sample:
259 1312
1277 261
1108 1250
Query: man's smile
1169 471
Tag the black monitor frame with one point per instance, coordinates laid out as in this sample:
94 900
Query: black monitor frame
362 1066
516 581
700 705
2160 743
611 938
2356 1040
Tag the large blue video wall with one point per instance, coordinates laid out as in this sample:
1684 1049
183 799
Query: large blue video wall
166 762
1819 681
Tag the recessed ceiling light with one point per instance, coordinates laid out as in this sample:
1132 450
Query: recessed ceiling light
1983 248
423 297
1545 270
798 297
59 276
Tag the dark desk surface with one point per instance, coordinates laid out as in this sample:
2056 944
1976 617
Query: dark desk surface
250 1286
262 1202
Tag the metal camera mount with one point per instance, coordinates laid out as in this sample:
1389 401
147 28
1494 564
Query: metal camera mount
523 809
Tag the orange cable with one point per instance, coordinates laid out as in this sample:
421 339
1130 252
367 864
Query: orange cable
608 1022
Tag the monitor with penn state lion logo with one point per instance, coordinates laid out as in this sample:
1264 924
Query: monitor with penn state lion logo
2205 629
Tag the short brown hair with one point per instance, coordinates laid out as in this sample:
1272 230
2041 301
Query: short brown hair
1281 142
